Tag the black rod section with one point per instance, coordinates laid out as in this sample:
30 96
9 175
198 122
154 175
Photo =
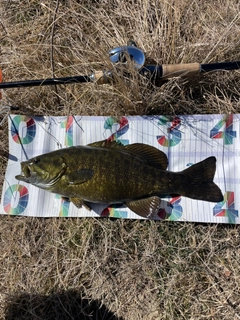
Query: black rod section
220 66
45 82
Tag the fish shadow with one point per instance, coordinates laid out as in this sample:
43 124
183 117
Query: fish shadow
64 305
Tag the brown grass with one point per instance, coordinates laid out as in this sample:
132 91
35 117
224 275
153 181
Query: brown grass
103 268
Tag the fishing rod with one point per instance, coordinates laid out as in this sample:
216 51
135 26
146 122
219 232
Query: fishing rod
121 56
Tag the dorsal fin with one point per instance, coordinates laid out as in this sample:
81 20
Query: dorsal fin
106 144
150 154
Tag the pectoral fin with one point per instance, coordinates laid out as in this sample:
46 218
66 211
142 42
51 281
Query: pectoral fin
147 208
78 202
79 176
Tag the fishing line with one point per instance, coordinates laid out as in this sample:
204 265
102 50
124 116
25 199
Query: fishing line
58 143
20 142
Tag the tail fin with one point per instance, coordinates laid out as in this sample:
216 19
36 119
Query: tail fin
199 181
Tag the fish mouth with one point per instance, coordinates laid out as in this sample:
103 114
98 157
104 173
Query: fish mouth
25 174
39 177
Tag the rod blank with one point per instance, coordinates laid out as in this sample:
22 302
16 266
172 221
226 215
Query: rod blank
45 82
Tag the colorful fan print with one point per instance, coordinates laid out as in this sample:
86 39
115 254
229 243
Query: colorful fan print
15 199
173 131
226 208
68 126
227 134
114 213
123 128
23 129
175 212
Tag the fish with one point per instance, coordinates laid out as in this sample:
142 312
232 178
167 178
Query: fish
107 172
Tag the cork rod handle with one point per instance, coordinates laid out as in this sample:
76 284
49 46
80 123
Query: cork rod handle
180 70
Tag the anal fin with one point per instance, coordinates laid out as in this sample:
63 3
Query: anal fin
146 208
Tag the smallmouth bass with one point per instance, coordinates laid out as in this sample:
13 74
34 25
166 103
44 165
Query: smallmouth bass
108 172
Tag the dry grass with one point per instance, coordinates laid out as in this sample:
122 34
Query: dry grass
103 268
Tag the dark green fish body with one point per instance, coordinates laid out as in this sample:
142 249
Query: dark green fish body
105 172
